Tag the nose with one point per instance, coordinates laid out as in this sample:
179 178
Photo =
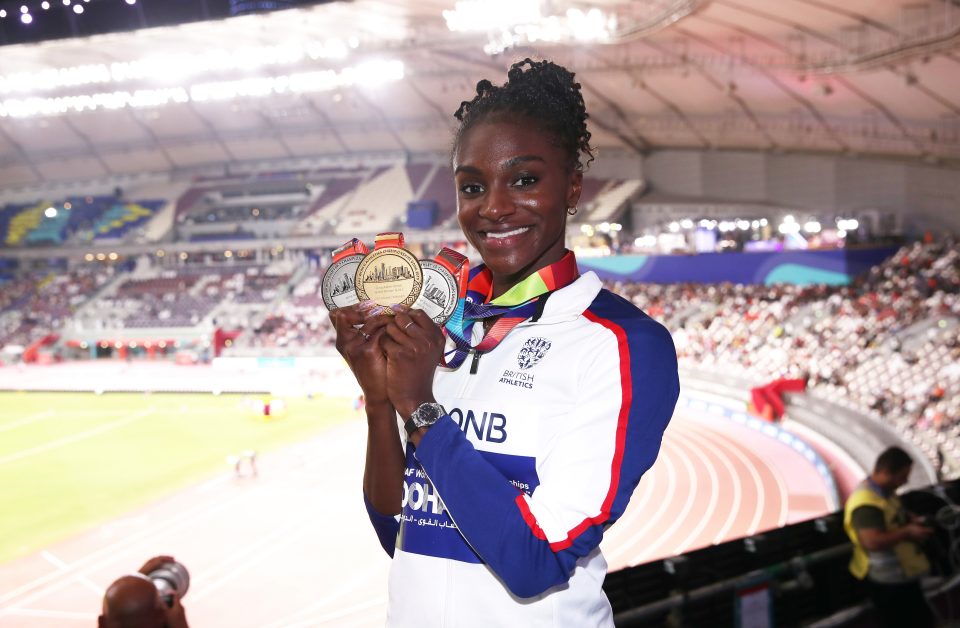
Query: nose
497 204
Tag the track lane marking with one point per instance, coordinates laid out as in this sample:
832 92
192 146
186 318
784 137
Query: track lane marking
90 561
650 549
66 440
735 480
641 533
760 504
624 545
27 420
711 505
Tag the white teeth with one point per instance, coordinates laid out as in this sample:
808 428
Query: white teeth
507 234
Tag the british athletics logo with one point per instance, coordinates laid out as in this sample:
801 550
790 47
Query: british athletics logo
532 352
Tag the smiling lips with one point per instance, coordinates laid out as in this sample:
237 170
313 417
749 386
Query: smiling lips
500 235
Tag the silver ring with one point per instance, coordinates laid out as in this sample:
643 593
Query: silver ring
407 325
366 337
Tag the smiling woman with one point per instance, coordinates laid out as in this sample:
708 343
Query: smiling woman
494 502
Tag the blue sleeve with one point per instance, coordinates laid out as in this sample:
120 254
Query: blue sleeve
497 520
385 526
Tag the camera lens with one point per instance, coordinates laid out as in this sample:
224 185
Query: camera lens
170 578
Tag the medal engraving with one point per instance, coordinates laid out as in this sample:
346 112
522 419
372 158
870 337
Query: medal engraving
337 288
439 296
389 275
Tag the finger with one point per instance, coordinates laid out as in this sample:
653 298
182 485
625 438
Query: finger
396 332
374 325
352 314
423 320
155 562
390 346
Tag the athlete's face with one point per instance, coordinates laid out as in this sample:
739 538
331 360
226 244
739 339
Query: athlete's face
513 189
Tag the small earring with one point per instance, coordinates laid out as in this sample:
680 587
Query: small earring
571 211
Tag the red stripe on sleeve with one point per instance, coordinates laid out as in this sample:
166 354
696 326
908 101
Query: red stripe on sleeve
529 518
622 419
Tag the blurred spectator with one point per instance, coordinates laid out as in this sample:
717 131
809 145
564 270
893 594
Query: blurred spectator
133 601
887 556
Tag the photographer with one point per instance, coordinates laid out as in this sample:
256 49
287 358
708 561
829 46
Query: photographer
886 539
134 601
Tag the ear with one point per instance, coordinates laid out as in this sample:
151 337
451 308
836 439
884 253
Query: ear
574 188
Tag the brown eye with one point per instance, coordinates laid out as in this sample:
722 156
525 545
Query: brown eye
525 181
471 188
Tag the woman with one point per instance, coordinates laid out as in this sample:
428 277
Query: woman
520 451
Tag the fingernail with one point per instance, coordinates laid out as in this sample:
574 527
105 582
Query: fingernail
398 307
368 304
377 311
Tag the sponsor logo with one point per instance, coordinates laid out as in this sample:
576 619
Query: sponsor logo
420 495
532 352
488 426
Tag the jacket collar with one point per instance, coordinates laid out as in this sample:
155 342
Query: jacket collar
571 301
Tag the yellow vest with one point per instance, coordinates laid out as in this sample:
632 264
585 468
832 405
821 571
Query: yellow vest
912 561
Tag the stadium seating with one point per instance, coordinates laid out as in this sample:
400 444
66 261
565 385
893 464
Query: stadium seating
77 218
37 303
903 319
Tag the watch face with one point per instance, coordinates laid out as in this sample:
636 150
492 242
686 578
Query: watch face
427 414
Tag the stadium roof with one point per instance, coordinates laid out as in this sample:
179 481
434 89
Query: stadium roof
862 78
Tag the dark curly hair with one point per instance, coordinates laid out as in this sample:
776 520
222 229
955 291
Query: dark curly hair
544 93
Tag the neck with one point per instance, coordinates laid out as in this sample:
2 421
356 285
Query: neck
879 483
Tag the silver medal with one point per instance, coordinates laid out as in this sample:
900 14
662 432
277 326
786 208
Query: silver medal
337 288
439 295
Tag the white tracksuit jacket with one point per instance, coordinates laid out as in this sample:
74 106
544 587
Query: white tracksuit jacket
506 499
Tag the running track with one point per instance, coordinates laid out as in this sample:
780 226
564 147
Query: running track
293 548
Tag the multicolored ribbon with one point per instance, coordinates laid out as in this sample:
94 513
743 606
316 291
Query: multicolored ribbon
513 307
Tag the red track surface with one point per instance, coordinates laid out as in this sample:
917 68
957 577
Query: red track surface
293 547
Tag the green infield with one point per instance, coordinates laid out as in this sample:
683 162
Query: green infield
70 461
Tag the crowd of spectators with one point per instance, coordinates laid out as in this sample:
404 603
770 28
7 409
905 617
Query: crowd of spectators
299 323
34 304
888 344
184 296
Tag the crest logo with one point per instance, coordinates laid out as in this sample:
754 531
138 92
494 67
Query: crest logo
532 352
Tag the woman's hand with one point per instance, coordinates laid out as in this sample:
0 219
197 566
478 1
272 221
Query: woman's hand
413 345
360 347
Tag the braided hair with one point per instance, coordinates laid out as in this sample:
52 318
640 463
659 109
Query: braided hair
542 92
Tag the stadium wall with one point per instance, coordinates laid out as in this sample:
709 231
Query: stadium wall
924 197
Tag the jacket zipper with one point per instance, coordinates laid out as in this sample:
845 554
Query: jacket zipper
475 362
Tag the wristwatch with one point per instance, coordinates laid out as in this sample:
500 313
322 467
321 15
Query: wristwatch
425 415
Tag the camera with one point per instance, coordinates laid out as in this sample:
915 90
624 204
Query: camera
170 578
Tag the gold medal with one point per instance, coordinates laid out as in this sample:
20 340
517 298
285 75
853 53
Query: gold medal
389 274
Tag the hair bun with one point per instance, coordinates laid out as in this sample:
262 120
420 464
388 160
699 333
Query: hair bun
542 91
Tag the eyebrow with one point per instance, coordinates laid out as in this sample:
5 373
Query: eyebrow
510 163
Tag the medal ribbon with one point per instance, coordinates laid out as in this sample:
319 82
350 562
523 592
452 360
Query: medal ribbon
513 307
458 267
353 247
388 239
